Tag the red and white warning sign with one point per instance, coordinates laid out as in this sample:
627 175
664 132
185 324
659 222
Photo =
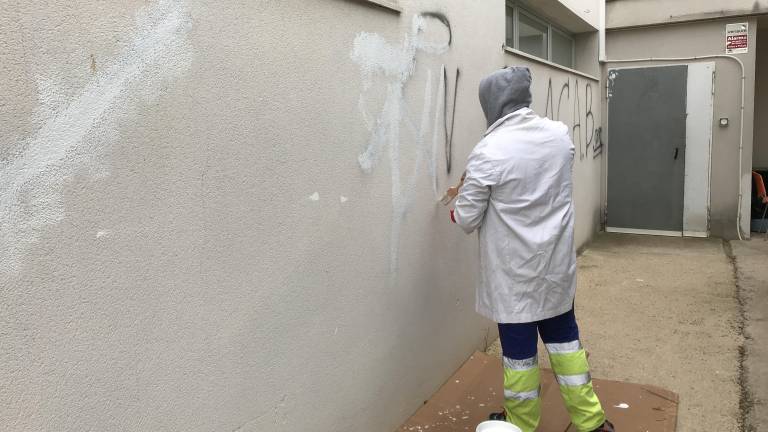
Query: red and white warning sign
737 38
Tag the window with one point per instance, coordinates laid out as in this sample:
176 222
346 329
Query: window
562 48
510 26
532 35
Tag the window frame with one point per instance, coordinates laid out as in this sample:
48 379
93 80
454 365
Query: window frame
551 28
537 20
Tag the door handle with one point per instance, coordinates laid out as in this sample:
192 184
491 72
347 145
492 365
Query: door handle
677 150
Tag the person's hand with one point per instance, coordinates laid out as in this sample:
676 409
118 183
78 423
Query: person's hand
453 191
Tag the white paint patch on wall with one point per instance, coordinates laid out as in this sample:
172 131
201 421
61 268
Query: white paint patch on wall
103 233
397 64
74 130
441 88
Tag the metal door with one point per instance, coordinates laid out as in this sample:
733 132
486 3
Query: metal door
646 149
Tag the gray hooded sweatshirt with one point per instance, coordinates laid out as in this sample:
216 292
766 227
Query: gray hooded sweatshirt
517 194
504 92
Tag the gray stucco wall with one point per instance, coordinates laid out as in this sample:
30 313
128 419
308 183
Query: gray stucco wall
630 13
188 239
696 39
760 159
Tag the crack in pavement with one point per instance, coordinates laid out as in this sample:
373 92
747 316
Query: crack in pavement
746 396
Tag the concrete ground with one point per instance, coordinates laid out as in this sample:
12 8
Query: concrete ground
752 264
668 312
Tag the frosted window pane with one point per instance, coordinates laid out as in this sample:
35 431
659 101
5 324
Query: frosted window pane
510 27
532 37
562 49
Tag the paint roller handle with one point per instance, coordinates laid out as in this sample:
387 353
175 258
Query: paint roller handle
453 191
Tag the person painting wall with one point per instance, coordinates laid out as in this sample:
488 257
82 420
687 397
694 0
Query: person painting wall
517 192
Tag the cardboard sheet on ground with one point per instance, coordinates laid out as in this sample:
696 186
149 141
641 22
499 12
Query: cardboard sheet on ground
475 391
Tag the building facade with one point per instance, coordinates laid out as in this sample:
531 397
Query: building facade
226 217
726 141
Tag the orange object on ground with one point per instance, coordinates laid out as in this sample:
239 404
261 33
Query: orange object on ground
760 184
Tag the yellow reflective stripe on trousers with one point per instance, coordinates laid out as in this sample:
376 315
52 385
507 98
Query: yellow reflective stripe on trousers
572 371
521 380
521 365
521 396
524 414
522 404
574 363
563 348
583 407
574 380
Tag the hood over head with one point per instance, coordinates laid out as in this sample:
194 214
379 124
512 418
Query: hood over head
504 92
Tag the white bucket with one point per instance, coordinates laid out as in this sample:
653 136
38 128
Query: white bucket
497 426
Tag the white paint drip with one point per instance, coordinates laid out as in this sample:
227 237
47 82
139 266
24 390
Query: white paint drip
396 63
73 130
612 75
315 197
436 131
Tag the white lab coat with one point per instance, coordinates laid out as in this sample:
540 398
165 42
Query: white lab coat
518 194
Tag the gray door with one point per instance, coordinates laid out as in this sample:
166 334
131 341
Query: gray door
646 149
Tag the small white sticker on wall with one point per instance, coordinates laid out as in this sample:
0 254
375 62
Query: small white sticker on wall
737 38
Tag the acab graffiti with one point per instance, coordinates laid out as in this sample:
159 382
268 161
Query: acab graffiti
584 131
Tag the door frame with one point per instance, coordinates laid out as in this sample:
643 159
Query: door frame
698 157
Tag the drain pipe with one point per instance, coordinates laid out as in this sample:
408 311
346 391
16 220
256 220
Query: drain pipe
601 34
741 130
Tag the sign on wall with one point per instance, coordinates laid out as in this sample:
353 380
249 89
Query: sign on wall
737 38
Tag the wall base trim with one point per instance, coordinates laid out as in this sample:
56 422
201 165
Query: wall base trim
644 231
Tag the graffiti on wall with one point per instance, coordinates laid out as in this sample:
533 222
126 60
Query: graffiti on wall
392 130
585 134
75 129
449 133
394 64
